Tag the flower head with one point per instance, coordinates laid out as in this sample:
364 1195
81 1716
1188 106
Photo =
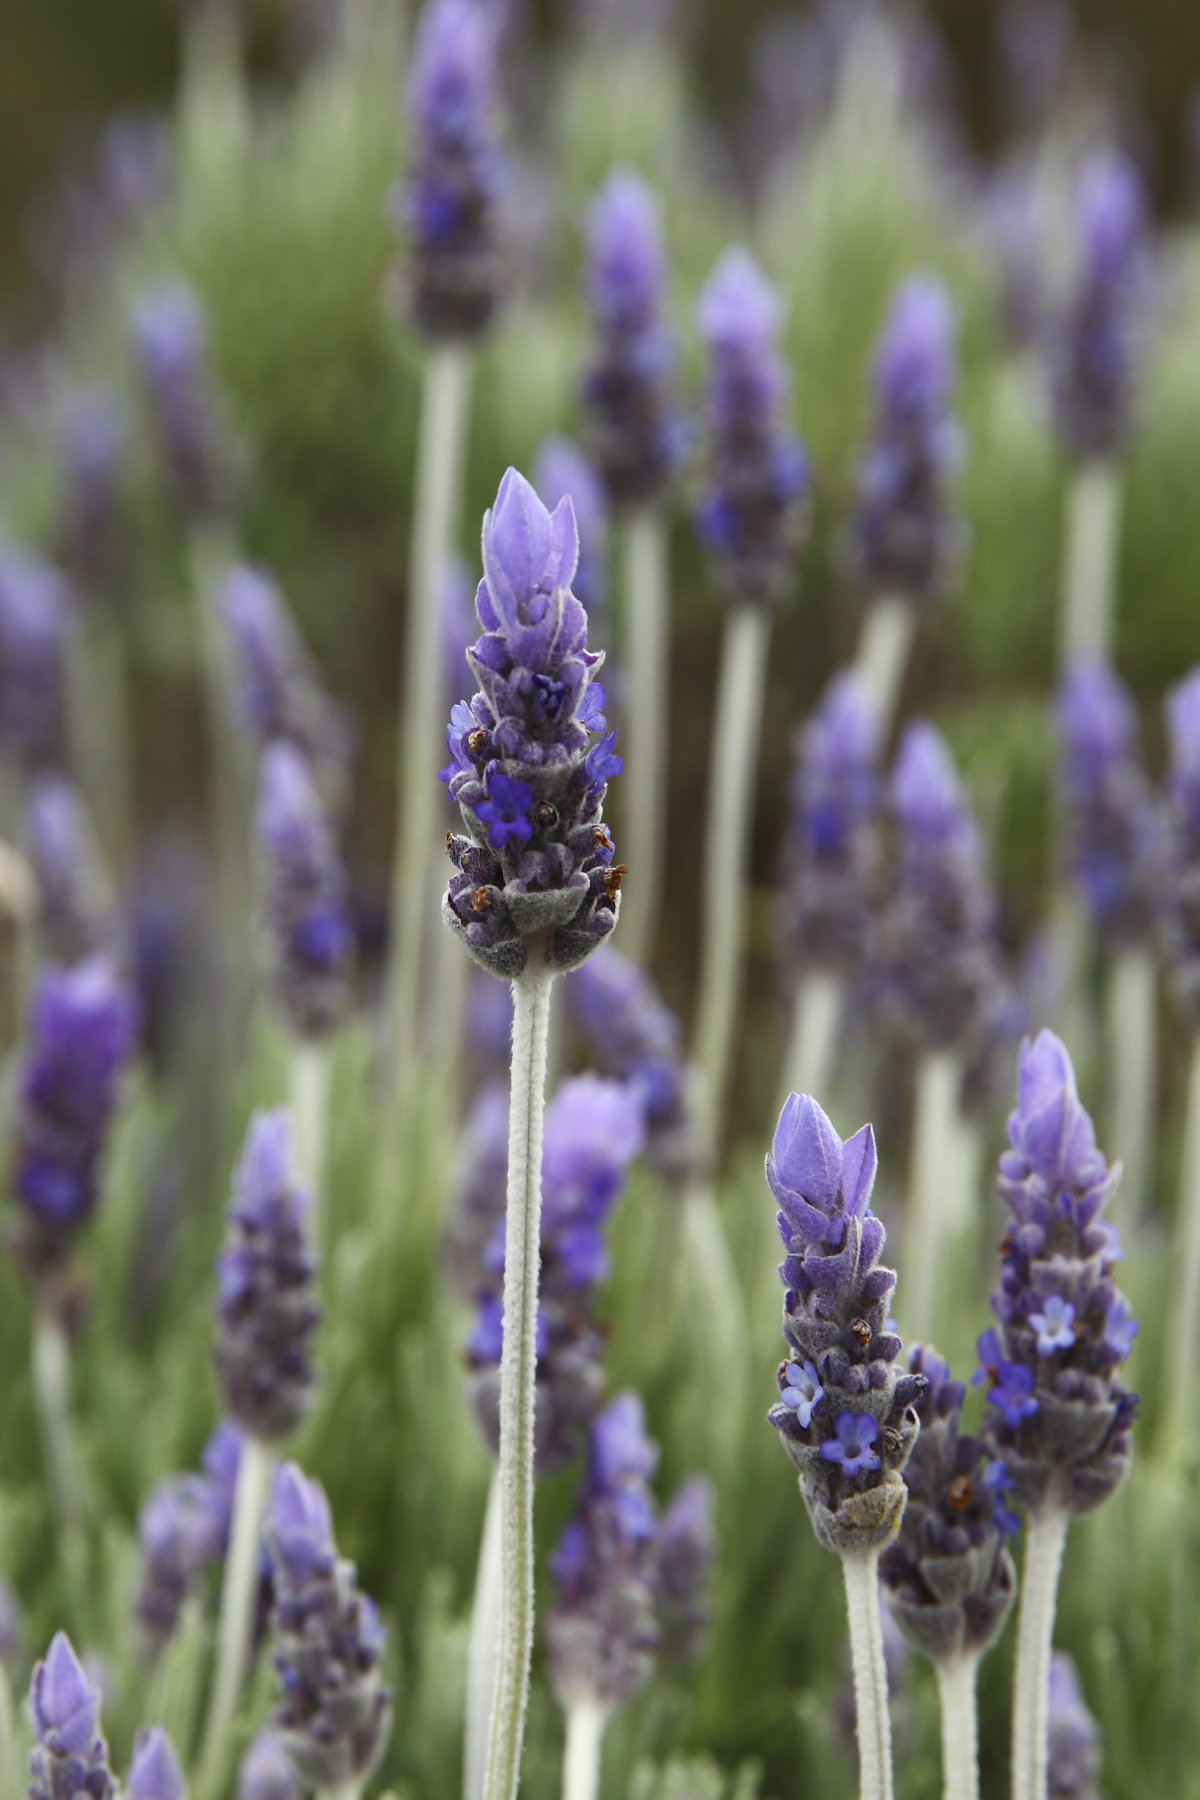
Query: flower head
70 1756
309 931
686 1547
1073 1736
851 1448
266 1771
1180 897
183 1529
154 1773
170 344
34 621
832 847
563 471
635 1037
71 912
92 529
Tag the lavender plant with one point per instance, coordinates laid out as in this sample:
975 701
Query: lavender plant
1073 1763
93 530
183 1531
69 1757
72 916
34 629
154 1773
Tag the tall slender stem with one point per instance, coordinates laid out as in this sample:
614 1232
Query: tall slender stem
440 455
870 1676
885 642
1183 1325
518 1369
1133 1068
730 811
586 1719
345 1790
723 1308
1045 1538
309 1068
933 1166
481 1646
960 1727
816 1015
237 1610
647 631
1089 561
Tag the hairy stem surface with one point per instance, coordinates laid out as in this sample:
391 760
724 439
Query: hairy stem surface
1045 1538
586 1719
481 1647
238 1592
960 1727
1089 561
309 1068
870 1676
647 629
885 641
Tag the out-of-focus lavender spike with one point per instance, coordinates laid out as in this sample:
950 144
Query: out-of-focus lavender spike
154 1773
134 164
635 428
602 1633
310 935
480 1179
687 1544
1180 906
1073 1762
904 533
172 953
266 1312
1095 354
335 1716
266 1771
1035 40
12 1628
92 529
34 621
457 620
170 345
1113 845
752 513
564 471
69 1759
450 202
183 1530
62 851
1012 218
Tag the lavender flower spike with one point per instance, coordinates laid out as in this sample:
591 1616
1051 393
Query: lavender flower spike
309 930
170 344
70 1757
154 1773
71 923
563 472
1180 912
450 203
34 621
537 861
686 1547
266 1772
1073 1764
635 1037
92 532
182 1530
635 430
752 514
334 1717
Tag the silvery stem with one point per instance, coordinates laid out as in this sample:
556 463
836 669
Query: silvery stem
309 1069
440 453
647 634
1133 1073
518 1371
960 1726
885 642
1183 1325
1089 561
345 1790
812 1044
586 1719
1046 1535
932 1168
870 1675
52 1396
238 1592
730 810
481 1647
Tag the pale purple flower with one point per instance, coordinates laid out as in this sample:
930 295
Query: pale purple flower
70 1757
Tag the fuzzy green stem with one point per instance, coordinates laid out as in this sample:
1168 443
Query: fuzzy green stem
440 456
481 1647
812 1041
885 643
861 1573
1133 1069
237 1611
518 1371
1089 561
933 1167
730 811
586 1720
1183 1324
345 1790
1046 1536
52 1391
960 1727
309 1069
647 632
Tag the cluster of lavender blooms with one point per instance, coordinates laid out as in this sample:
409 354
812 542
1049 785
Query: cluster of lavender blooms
34 622
538 860
904 533
266 1772
594 1128
934 945
72 919
1059 1415
1073 1742
309 931
846 1413
635 1037
335 1713
1180 901
636 433
92 532
170 346
752 515
69 1759
81 1031
1095 347
450 204
949 1578
831 852
183 1533
564 473
266 1313
1112 830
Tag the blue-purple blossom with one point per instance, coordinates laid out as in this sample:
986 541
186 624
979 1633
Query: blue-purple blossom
266 1772
266 1311
154 1773
71 915
999 1482
527 776
634 1036
69 1758
34 622
451 198
12 1627
686 1546
1072 1736
183 1531
751 515
334 1715
563 471
309 933
853 1435
479 1189
1179 899
634 425
832 848
602 1633
904 532
170 346
1059 1414
92 528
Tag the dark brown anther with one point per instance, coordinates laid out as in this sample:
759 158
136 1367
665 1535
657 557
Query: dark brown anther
481 899
959 1494
860 1331
612 880
601 837
449 841
545 814
475 742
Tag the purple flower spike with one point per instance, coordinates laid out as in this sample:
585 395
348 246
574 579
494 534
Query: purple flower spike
751 518
34 621
183 1529
71 914
904 533
1060 1416
266 1772
307 913
450 202
1096 347
686 1547
1073 1739
92 529
635 1037
528 779
335 1715
603 1631
69 1759
266 1314
842 1375
1180 899
564 472
154 1773
635 429
170 344
1114 848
